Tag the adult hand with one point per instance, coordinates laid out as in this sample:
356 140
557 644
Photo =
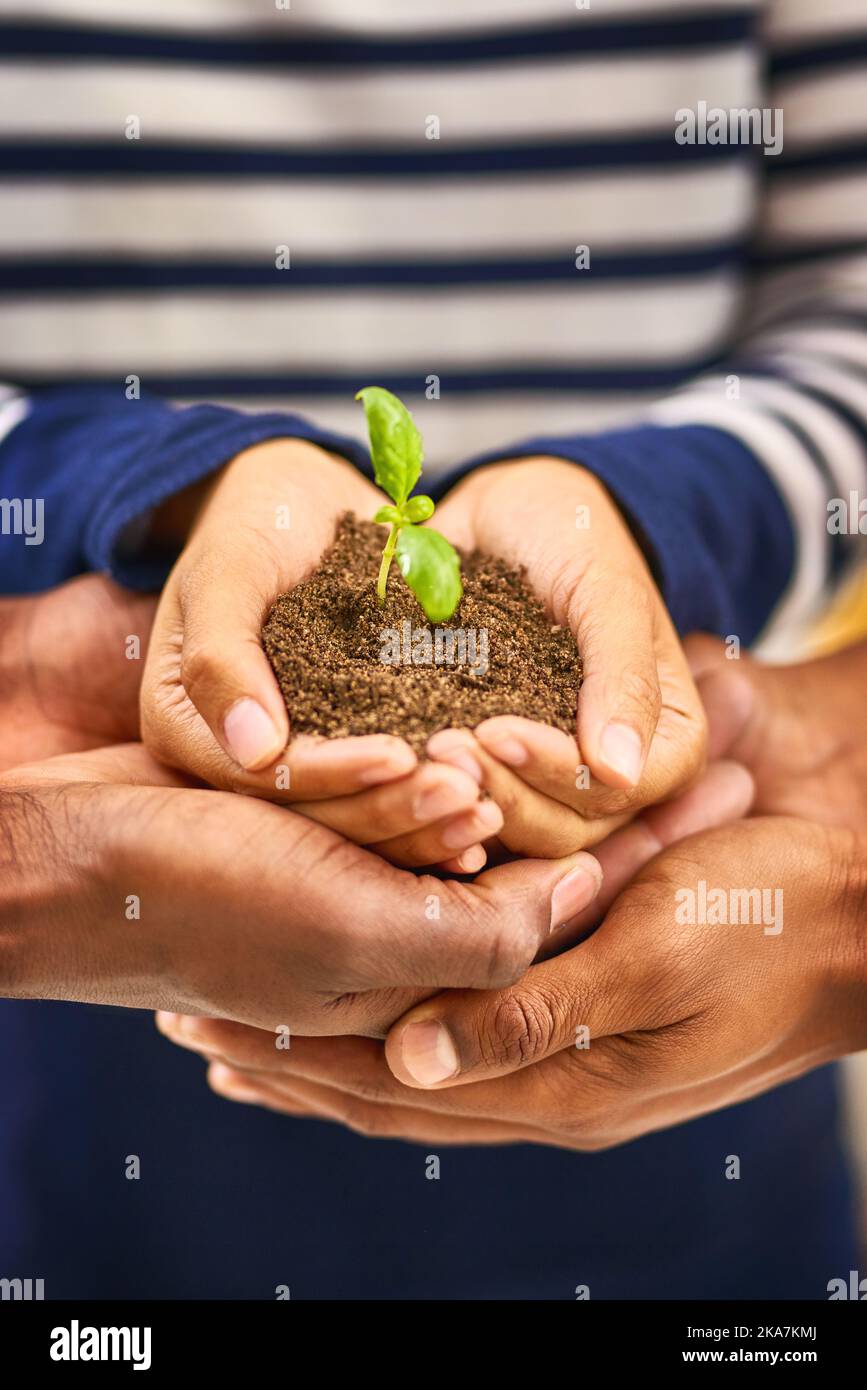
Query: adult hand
70 668
641 727
683 1017
210 702
799 729
326 1080
122 885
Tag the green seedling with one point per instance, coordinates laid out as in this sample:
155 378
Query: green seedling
430 566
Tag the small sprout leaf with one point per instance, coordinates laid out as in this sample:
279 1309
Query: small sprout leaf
432 569
395 443
430 566
419 508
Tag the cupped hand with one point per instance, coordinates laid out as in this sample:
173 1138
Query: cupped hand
652 1021
210 703
122 884
683 1017
245 1066
640 728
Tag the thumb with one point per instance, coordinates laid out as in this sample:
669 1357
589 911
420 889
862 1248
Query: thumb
468 1035
620 697
484 1035
724 793
223 668
478 935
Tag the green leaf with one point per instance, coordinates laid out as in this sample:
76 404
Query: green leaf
419 508
432 569
387 516
395 443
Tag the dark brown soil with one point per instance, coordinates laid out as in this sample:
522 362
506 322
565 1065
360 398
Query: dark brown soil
325 640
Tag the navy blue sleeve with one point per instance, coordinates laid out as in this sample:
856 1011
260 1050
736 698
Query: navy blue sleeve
709 517
97 463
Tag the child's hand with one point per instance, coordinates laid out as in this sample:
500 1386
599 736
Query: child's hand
210 703
641 731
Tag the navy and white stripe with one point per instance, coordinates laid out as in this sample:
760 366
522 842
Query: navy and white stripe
455 258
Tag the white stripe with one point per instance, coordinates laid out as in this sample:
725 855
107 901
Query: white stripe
844 344
837 283
355 16
394 331
459 427
838 383
361 218
803 19
575 97
828 105
842 450
797 479
830 206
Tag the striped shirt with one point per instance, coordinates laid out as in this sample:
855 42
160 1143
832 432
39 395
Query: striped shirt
250 210
483 206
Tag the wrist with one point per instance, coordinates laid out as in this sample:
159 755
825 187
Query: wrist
55 896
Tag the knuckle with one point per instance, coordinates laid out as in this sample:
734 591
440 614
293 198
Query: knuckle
508 791
158 714
154 730
639 689
362 1117
200 669
508 955
517 1031
564 580
489 952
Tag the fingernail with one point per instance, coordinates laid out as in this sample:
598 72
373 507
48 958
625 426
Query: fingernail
438 801
472 860
251 736
456 754
621 750
388 766
462 759
508 750
165 1020
575 891
428 1053
484 819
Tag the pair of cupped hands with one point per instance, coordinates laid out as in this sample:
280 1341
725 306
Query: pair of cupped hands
285 944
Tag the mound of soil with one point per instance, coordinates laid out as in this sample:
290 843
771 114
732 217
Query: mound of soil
347 666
